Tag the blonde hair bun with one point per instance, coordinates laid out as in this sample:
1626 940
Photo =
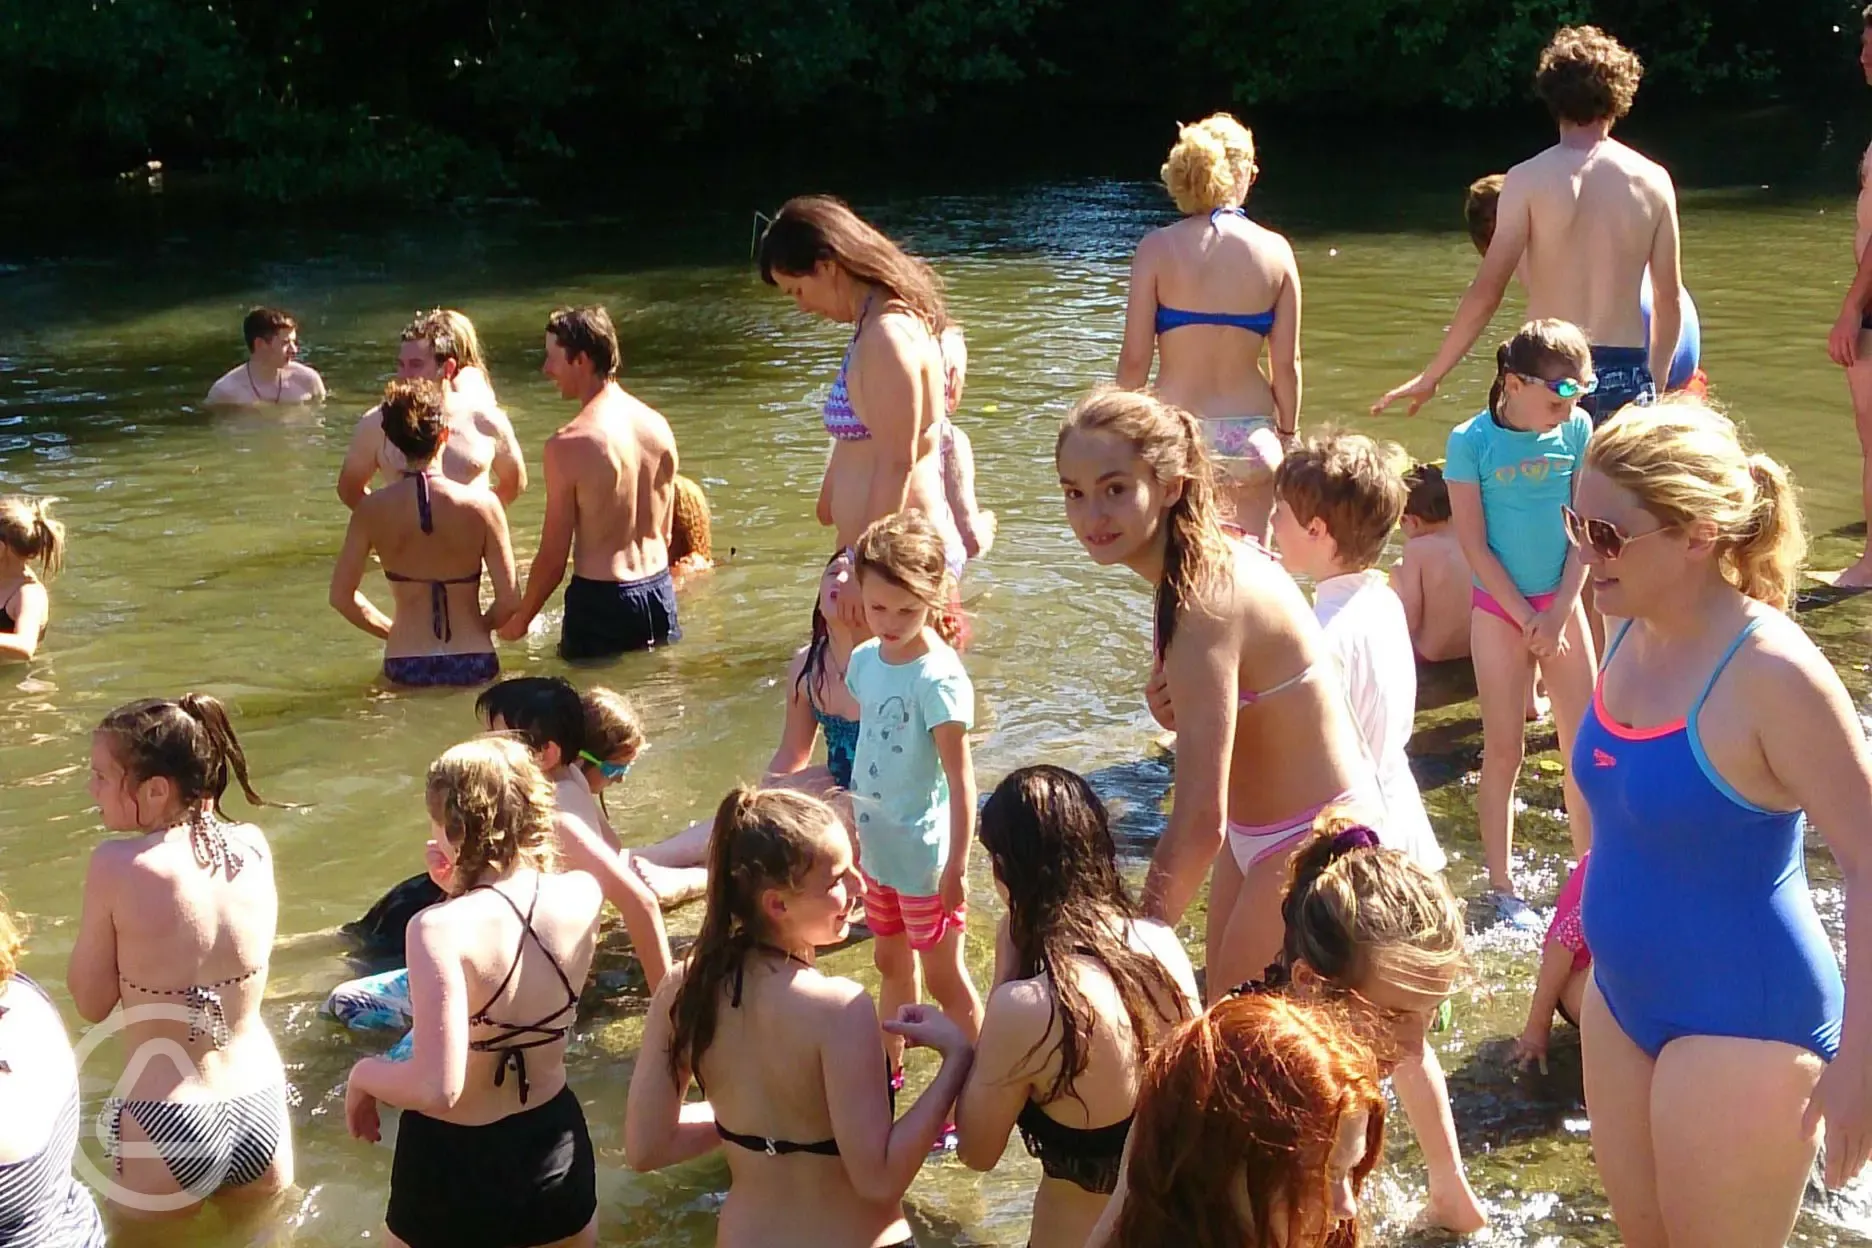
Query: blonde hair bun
1209 165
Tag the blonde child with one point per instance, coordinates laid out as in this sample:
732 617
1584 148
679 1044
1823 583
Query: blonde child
1510 471
27 532
913 786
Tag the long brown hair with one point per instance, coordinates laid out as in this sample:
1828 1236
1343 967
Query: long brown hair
811 228
1170 441
1238 1113
188 742
1047 834
763 838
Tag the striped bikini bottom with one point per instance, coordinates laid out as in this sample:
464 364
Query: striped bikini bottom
207 1145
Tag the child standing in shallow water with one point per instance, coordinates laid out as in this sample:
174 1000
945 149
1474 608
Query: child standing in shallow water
913 787
27 532
1432 580
1510 472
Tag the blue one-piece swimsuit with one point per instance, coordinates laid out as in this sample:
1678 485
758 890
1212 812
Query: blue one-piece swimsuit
1697 909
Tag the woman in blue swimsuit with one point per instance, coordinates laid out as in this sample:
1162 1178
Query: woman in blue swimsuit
1208 294
1717 1033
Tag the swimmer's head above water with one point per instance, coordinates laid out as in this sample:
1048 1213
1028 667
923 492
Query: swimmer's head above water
581 348
829 260
1211 166
1540 375
903 574
28 532
158 762
490 810
614 737
272 337
781 877
428 351
545 712
1140 491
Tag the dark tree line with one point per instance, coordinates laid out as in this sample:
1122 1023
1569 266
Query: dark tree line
297 98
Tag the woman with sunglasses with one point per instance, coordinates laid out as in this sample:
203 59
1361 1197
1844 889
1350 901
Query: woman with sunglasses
1510 470
1717 724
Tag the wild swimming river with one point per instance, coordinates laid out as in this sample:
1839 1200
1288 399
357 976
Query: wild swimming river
201 544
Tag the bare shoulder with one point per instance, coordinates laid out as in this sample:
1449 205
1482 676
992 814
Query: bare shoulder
578 891
1781 666
371 422
831 995
228 389
1026 1004
900 334
1272 242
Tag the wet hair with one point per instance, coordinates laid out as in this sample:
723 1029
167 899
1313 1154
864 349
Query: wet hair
1354 911
1237 1118
811 228
812 670
907 550
265 323
690 530
1586 75
1478 209
1353 483
1170 442
587 331
763 838
434 328
12 943
413 418
188 742
540 710
1427 496
494 805
1685 462
1208 163
461 332
29 531
613 729
1051 845
1538 348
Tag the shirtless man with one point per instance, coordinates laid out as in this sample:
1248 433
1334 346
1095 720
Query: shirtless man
1581 221
1848 344
481 442
610 503
272 373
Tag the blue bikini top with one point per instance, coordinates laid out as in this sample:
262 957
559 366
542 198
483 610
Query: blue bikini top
1169 318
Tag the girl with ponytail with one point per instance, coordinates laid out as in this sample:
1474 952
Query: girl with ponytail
789 1057
28 533
177 925
1718 731
1265 738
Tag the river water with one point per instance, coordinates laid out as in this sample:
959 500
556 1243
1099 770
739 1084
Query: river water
201 544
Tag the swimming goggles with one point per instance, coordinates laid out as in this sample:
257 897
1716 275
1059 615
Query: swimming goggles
1607 540
610 771
1566 387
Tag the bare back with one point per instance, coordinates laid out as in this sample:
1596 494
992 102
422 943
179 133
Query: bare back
1593 217
181 925
464 519
1444 587
621 458
468 455
1225 265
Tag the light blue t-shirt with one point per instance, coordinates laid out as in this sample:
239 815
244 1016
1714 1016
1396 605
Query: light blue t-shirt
1525 477
899 792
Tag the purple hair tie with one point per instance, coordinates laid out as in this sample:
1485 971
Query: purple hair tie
1358 836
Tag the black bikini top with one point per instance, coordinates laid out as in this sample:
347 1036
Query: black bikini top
1086 1156
516 1038
438 591
765 1143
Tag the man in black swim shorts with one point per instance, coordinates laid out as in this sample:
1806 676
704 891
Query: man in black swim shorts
610 503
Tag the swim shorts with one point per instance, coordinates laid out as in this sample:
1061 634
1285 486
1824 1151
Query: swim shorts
603 618
1624 376
923 919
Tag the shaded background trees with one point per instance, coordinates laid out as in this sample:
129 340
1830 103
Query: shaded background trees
305 98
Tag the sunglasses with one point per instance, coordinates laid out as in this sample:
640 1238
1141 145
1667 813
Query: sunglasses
1566 387
610 771
1607 540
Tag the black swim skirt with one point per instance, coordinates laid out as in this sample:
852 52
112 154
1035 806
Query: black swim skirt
528 1179
603 618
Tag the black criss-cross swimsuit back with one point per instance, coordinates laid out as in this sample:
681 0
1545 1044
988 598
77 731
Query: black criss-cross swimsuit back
438 589
516 1038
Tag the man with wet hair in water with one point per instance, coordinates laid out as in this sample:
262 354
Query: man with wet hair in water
610 503
1581 222
272 373
1848 344
480 448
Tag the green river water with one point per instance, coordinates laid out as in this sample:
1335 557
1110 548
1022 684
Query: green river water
201 545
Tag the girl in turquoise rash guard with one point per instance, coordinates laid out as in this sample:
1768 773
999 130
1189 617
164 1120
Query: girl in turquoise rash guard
1510 470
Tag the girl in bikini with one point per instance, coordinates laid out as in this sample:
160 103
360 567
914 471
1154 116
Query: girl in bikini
177 926
27 532
1241 672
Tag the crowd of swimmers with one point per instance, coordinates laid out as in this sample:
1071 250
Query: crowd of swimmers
1611 536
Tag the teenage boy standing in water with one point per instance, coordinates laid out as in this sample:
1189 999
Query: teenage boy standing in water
1581 220
1848 344
610 503
272 373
